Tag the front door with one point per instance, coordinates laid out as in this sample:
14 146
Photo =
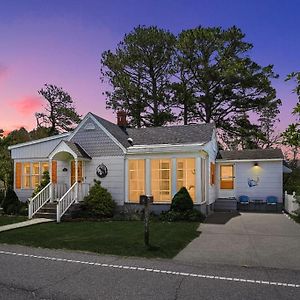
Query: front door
73 173
226 181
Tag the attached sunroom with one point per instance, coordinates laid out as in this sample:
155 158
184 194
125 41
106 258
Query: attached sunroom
163 174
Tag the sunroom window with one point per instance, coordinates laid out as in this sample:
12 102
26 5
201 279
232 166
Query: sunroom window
186 175
161 180
136 170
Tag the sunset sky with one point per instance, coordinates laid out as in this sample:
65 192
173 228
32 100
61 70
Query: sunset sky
60 42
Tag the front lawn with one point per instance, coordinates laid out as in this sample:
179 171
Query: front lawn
115 237
5 220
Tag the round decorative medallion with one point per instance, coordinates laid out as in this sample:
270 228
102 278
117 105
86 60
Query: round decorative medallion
101 170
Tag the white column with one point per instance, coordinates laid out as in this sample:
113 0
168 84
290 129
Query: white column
174 177
148 177
76 180
50 175
198 180
126 181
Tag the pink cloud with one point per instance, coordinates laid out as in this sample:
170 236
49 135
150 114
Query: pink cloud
27 105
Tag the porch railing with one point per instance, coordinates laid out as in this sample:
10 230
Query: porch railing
66 201
39 200
59 189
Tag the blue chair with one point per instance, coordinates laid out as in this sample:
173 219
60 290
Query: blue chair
243 199
272 200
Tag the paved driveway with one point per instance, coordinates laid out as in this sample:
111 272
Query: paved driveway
246 239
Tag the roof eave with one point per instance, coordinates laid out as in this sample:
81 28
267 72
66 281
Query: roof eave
249 159
39 141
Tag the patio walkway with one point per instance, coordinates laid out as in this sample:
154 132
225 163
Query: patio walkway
246 239
24 224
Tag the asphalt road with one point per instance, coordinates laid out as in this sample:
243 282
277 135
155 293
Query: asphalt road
30 273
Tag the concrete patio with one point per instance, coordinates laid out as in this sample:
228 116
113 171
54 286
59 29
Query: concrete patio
246 239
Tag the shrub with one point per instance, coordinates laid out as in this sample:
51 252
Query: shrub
99 201
182 201
192 215
11 203
45 180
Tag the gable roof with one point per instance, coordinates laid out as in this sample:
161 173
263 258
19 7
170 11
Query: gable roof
120 135
181 134
251 154
77 149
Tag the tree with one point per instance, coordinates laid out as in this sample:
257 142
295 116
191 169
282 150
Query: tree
60 112
241 134
140 74
6 163
291 136
225 82
268 117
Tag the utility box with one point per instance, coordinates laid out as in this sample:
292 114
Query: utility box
146 199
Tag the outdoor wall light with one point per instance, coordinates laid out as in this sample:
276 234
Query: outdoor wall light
256 164
65 170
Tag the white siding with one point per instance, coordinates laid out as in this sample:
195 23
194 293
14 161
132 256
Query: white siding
212 149
36 150
268 173
114 181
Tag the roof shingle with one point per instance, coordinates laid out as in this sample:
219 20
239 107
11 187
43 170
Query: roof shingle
182 134
251 154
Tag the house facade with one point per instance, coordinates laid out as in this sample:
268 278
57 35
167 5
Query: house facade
154 161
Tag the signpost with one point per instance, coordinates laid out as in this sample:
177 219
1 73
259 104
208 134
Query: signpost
146 201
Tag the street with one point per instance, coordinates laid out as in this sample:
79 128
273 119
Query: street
31 273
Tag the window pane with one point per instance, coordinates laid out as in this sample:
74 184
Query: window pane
35 181
26 168
136 179
226 177
161 180
45 167
26 182
186 175
36 168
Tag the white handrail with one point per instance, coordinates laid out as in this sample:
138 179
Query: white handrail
39 200
59 190
66 201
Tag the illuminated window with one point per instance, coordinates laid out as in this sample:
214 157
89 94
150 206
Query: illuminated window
32 174
26 176
136 175
226 177
186 175
35 174
161 180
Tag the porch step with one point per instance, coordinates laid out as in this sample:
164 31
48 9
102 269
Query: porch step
48 211
225 204
50 216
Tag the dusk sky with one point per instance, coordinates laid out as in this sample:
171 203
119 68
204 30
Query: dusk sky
60 42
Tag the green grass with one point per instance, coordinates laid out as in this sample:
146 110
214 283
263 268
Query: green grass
115 237
5 220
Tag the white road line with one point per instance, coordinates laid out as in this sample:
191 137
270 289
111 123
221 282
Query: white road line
135 268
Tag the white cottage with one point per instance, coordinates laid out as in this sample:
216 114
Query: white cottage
134 161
